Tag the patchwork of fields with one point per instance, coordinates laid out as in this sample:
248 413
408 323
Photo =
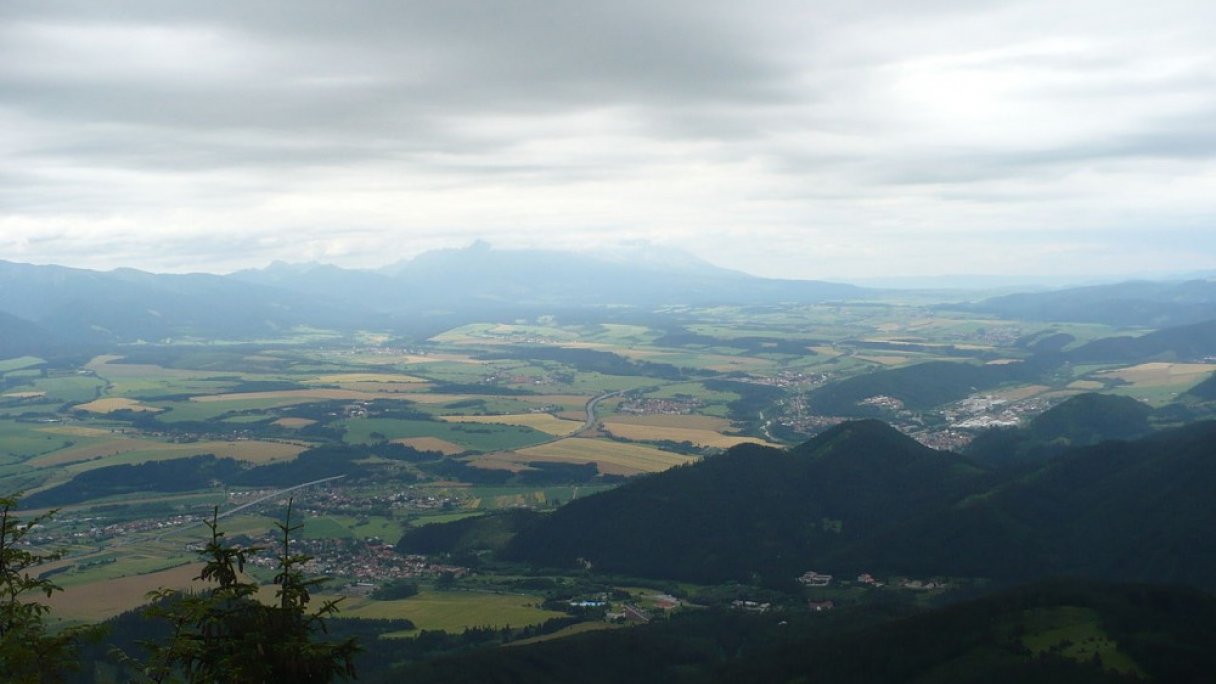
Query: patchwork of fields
482 417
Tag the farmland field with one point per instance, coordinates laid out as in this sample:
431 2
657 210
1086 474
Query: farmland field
112 404
616 458
475 437
455 611
658 433
93 602
537 421
120 450
496 396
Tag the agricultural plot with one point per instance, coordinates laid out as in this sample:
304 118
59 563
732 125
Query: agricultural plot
454 611
431 444
543 422
1159 382
120 450
372 378
615 458
301 394
470 436
1075 633
97 601
671 429
1162 374
180 411
20 362
112 404
72 389
23 440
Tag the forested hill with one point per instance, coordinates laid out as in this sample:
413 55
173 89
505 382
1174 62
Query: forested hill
863 497
1082 420
19 337
1181 343
752 510
1133 303
1057 632
80 307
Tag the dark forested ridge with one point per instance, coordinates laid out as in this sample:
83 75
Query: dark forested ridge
863 497
1182 343
1122 633
1133 303
1079 421
920 386
752 510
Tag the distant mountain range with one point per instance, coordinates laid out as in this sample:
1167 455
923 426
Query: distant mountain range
1140 303
482 278
68 307
63 308
864 497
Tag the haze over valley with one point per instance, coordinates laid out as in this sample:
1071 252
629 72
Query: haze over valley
650 342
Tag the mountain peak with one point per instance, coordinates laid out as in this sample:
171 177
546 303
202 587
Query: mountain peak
860 437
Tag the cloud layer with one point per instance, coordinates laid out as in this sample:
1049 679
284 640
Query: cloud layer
813 140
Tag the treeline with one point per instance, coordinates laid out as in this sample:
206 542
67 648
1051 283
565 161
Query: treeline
683 337
178 475
919 387
1164 633
592 361
862 497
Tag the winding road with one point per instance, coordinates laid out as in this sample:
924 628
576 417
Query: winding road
590 408
255 502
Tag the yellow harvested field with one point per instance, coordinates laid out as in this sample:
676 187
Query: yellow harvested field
112 404
105 367
341 394
537 421
370 377
428 398
100 600
1162 374
1086 385
569 401
693 422
656 433
431 444
577 628
885 360
86 452
825 351
77 431
114 451
612 457
1019 393
394 387
293 422
454 611
24 395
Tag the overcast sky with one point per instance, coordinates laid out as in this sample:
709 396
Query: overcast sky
815 139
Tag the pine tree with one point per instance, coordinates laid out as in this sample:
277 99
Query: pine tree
224 634
28 652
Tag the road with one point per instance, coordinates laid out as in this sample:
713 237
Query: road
590 408
255 502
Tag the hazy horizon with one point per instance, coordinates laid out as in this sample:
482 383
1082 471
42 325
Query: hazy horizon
822 141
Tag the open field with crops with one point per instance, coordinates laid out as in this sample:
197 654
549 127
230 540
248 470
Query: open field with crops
543 422
455 611
617 458
659 433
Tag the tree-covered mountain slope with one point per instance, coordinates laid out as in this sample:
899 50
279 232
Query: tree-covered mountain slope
862 497
1068 632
